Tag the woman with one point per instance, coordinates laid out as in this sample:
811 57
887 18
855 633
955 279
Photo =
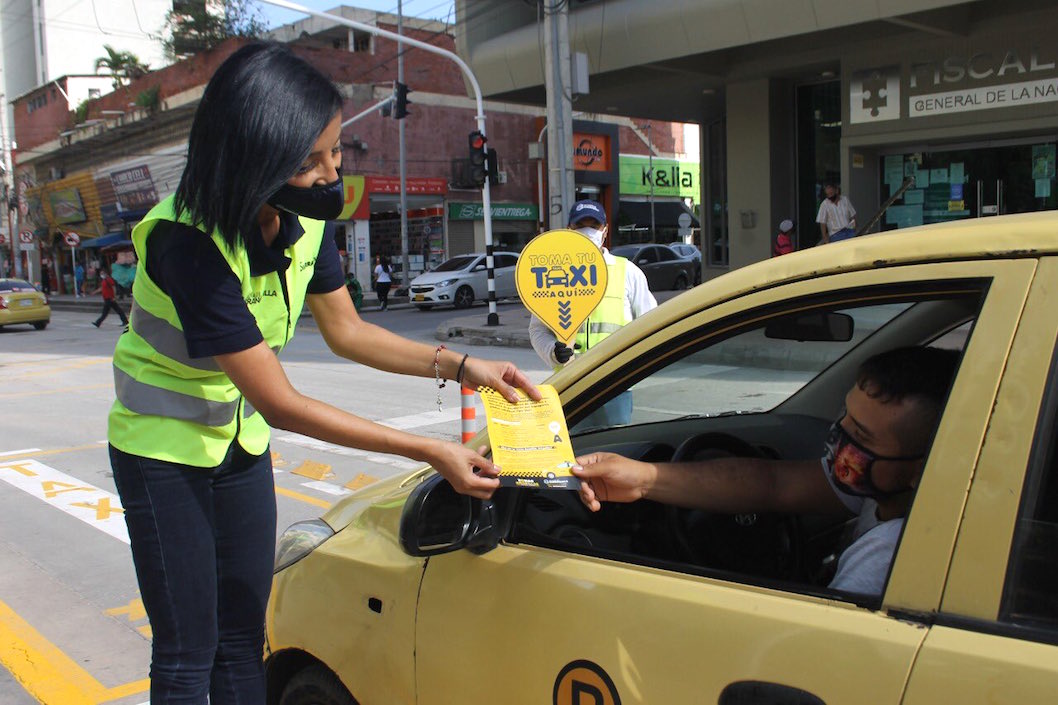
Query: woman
383 281
228 262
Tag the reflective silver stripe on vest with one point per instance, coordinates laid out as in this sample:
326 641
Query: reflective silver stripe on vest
155 401
603 327
167 339
247 409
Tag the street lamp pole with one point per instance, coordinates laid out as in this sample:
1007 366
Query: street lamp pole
486 198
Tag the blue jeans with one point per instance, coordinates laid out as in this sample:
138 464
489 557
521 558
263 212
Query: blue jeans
843 234
203 542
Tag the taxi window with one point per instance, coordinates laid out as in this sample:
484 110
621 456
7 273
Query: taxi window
748 372
1031 590
766 384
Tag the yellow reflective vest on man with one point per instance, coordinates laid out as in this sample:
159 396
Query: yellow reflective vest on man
180 409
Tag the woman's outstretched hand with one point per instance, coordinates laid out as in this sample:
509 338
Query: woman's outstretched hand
504 377
458 464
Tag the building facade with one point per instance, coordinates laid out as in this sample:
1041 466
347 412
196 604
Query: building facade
933 110
96 174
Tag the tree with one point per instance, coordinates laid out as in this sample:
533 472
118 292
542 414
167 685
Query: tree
123 66
198 25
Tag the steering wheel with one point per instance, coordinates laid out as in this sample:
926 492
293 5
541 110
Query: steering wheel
766 545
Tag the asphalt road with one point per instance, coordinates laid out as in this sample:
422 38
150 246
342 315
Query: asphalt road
72 627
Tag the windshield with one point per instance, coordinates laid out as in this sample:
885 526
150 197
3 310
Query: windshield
626 251
455 264
16 285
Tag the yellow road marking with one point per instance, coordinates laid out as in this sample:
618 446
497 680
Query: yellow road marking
279 490
64 390
59 369
46 673
302 497
55 451
51 361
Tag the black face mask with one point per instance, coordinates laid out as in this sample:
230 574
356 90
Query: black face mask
322 202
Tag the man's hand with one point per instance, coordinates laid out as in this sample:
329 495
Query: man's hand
562 352
607 477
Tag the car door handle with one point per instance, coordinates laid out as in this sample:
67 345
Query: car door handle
765 693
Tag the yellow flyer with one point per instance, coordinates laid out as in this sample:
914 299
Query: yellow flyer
530 441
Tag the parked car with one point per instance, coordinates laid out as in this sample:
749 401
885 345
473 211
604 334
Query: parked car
405 592
665 269
21 302
693 254
462 280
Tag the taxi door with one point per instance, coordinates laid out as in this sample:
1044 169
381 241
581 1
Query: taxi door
995 638
530 624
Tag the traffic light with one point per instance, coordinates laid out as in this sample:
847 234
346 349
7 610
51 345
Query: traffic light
478 159
400 102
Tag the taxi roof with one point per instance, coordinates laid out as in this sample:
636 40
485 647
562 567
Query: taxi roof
998 237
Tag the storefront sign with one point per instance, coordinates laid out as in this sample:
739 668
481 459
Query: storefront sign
134 188
980 79
413 185
671 177
357 206
500 211
591 152
1008 96
66 206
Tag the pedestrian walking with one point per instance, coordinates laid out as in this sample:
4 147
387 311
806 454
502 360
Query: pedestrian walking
836 217
107 289
383 280
78 279
228 262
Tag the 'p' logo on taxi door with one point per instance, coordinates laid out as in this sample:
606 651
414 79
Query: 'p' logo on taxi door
584 683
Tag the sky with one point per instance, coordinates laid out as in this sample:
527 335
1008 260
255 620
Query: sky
430 9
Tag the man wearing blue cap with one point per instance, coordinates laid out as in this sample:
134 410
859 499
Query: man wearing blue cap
627 297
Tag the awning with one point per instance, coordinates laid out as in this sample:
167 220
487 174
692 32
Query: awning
666 214
104 240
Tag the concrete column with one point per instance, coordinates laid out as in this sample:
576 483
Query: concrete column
749 171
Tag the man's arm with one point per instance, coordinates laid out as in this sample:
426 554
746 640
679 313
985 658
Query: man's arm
637 289
543 341
821 218
727 485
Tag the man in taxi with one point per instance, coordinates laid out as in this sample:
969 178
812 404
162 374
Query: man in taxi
872 462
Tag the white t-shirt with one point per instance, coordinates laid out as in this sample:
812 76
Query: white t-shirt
381 275
836 216
638 300
864 565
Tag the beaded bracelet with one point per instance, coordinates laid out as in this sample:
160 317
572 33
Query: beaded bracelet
437 373
462 370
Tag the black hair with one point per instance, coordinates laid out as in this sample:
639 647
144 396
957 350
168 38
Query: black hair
915 373
260 115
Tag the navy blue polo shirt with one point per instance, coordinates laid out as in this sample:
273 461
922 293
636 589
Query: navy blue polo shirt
185 264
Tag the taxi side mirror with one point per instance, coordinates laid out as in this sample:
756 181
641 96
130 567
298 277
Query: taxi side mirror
437 519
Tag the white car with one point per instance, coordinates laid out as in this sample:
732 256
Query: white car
462 280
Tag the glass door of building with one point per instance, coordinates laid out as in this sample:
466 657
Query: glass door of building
969 183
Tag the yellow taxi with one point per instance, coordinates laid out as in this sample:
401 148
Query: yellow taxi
408 593
21 302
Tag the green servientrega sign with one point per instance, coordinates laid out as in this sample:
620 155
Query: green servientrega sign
500 211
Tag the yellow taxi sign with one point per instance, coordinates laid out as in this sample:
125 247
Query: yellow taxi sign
561 278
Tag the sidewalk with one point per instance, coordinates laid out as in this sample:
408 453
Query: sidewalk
466 326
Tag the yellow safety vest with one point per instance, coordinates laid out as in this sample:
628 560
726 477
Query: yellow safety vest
185 410
609 316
